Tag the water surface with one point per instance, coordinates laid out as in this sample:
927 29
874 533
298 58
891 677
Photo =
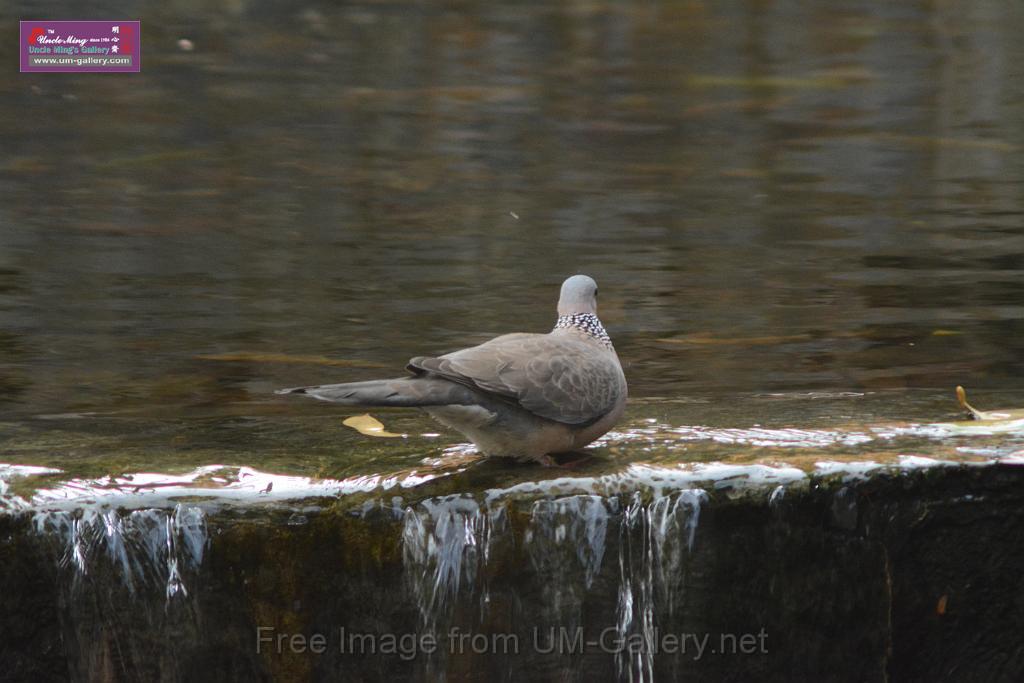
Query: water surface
806 224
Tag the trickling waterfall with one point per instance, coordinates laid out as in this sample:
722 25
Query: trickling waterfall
123 581
653 540
446 544
446 541
147 550
566 544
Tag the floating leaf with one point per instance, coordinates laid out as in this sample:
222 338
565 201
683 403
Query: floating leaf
247 357
1011 414
368 425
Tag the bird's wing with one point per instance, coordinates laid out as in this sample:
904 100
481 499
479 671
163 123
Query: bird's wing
556 377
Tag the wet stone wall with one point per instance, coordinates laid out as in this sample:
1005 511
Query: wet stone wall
908 576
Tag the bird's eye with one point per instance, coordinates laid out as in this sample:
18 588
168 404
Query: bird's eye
595 292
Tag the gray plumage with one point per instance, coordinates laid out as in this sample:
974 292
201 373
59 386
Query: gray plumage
519 395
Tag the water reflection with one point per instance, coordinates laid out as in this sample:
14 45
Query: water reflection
774 198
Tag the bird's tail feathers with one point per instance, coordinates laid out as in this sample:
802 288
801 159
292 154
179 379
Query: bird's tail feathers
410 392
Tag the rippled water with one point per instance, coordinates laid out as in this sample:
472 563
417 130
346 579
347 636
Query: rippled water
806 224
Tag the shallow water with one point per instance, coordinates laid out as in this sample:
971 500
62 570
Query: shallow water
806 225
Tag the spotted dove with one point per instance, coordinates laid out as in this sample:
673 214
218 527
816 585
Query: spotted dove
523 396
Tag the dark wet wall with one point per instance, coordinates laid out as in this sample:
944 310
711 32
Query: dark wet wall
909 577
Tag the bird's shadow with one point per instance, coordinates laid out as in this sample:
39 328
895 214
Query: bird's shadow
572 460
486 472
568 460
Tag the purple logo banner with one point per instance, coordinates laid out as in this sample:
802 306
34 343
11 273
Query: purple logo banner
80 46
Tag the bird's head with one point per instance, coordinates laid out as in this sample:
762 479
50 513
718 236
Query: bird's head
579 295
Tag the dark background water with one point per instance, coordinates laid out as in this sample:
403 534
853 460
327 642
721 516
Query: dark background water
773 196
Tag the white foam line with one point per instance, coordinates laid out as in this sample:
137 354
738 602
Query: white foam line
8 472
851 470
245 484
235 484
658 479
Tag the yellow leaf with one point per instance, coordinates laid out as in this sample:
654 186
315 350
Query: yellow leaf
368 425
1008 414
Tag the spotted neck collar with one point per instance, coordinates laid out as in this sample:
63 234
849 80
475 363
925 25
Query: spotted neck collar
587 323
